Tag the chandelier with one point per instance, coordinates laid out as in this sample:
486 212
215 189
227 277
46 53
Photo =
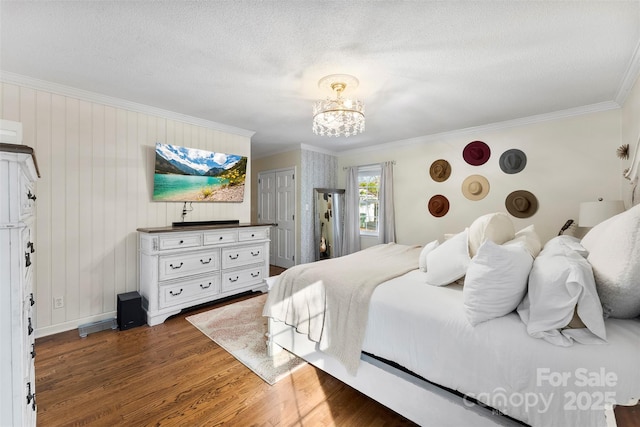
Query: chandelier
338 116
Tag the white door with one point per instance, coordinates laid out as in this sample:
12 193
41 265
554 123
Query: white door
285 218
276 205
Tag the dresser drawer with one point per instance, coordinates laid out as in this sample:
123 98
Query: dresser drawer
249 234
188 264
179 241
189 290
238 279
219 237
244 255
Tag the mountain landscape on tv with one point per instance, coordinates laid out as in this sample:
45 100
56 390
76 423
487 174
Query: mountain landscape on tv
192 175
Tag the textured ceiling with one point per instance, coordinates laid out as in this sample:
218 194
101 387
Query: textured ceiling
425 67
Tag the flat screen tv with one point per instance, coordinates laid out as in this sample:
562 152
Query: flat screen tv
191 175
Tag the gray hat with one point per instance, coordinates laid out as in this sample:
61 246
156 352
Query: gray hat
513 161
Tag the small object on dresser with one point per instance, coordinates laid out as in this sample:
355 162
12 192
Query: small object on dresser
130 312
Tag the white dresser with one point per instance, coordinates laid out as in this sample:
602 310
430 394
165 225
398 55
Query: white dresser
182 267
18 173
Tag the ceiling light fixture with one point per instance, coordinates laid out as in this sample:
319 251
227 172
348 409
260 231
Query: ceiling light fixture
338 116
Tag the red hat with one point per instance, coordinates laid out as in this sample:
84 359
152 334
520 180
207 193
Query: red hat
476 153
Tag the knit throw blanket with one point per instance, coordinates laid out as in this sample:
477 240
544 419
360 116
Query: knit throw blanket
329 300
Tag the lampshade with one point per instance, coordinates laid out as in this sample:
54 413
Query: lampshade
593 213
338 116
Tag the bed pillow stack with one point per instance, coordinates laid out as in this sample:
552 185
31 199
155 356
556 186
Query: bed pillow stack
561 283
614 254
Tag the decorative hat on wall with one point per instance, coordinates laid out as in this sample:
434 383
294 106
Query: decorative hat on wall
475 187
513 161
476 153
521 204
438 205
440 170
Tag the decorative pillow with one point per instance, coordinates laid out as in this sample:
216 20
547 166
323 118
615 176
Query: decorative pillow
614 254
530 239
449 261
563 243
560 283
422 261
496 281
496 227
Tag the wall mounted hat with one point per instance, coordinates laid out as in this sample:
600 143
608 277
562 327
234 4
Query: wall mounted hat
475 187
476 153
521 204
513 161
438 205
440 170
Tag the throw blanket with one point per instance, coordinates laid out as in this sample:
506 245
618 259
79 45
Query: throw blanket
329 300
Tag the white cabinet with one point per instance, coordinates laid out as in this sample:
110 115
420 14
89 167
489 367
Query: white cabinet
18 173
181 267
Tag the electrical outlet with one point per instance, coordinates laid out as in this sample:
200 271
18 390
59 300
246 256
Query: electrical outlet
58 302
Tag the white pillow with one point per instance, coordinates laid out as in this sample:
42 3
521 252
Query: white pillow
496 227
614 254
496 281
560 279
530 239
449 261
562 243
422 261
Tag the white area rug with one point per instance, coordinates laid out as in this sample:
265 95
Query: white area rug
240 329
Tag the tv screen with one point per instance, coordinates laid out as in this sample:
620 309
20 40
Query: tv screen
191 175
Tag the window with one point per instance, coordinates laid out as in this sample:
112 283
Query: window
369 184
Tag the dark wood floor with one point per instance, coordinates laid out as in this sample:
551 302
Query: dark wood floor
173 375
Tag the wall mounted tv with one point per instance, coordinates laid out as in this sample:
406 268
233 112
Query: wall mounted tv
191 175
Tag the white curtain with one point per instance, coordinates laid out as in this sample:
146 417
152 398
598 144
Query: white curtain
386 215
351 238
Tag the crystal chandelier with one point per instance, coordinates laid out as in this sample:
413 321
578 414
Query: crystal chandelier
338 116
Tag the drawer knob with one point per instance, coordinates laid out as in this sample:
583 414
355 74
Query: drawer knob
27 259
175 294
234 257
32 301
255 253
33 351
31 397
31 247
31 196
253 235
205 262
220 238
181 241
30 327
205 287
255 274
233 280
176 267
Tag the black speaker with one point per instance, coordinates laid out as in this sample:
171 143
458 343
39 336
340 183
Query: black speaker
130 312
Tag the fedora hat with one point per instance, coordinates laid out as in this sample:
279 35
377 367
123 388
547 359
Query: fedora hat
512 161
521 204
440 170
475 187
438 205
476 153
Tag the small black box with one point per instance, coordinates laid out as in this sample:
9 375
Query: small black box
130 312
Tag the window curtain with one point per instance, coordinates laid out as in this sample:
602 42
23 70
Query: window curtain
351 237
386 216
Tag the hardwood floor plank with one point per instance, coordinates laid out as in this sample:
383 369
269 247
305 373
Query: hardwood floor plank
173 375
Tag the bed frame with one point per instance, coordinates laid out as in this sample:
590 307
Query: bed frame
414 398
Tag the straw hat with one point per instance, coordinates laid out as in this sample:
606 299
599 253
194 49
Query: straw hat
521 204
476 153
512 161
440 170
475 187
438 205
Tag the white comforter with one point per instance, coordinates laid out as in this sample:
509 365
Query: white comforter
424 329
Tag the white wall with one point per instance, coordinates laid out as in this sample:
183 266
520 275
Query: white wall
97 164
569 160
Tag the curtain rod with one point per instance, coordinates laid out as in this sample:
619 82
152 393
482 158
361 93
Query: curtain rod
344 168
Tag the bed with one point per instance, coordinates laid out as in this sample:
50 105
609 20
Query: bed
426 356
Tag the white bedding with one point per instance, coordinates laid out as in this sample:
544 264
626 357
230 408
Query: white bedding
424 329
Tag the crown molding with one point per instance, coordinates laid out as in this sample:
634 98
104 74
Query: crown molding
540 118
630 77
84 95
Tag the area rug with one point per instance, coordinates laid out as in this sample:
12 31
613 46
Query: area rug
240 329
